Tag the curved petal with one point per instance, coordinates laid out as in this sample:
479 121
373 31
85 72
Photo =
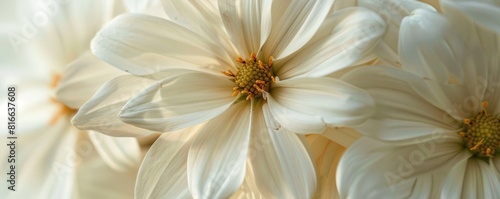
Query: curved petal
332 101
438 54
326 155
248 23
182 99
217 157
163 173
100 113
392 12
400 95
374 169
280 162
484 12
294 24
120 153
49 158
148 44
85 75
353 33
479 181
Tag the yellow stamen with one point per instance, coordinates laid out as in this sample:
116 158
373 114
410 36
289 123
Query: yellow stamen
477 145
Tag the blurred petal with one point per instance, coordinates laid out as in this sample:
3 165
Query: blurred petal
85 75
280 162
484 12
100 113
183 99
120 153
352 33
217 157
163 173
343 136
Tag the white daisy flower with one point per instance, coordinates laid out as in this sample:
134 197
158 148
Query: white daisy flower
436 127
249 75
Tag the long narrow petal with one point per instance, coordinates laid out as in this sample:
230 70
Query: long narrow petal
352 34
120 153
280 162
217 157
294 24
163 173
100 113
332 101
248 23
183 99
471 179
382 170
85 75
343 136
141 44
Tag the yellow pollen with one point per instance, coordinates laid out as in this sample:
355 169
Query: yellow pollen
252 77
482 133
63 110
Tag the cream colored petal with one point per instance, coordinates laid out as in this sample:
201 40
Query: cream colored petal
120 153
82 78
217 157
100 113
343 136
148 44
182 99
163 173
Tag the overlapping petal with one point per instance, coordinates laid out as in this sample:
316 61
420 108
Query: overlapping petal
182 99
120 153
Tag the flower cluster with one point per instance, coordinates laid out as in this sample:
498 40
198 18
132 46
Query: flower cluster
258 98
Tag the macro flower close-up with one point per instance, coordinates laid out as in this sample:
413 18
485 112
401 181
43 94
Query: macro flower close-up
436 130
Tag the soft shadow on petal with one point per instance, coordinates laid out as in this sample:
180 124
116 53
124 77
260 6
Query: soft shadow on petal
333 101
480 181
279 160
182 99
483 12
373 169
100 113
293 25
85 76
350 35
163 173
217 157
343 136
141 45
120 153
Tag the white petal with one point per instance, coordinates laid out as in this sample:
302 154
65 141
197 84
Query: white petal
120 153
392 12
401 95
149 44
495 162
343 136
100 113
217 157
163 173
480 181
84 75
432 53
44 159
294 24
280 162
182 99
352 33
484 12
333 101
371 168
248 23
453 184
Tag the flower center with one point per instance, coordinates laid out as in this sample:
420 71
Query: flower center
252 77
482 133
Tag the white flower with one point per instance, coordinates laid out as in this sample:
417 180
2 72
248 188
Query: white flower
430 136
55 73
292 45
